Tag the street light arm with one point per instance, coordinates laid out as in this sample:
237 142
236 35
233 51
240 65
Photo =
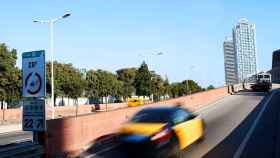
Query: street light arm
61 17
41 21
66 15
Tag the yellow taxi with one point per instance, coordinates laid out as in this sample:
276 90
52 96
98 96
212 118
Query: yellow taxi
161 131
135 101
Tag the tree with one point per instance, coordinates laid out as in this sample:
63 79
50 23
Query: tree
102 83
190 86
210 87
184 88
158 88
9 76
127 76
167 88
92 88
74 84
58 79
68 81
176 89
143 83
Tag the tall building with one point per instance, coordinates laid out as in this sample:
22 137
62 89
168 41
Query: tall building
244 40
229 62
275 71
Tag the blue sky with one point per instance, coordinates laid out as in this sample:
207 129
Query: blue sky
111 34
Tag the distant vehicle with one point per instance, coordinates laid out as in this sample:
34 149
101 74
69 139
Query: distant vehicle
263 82
135 101
161 132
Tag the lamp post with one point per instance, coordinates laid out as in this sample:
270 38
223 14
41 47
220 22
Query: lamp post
51 23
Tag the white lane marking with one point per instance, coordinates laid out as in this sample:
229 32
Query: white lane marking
203 108
242 146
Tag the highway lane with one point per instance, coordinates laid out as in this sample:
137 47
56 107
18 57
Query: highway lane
13 137
221 119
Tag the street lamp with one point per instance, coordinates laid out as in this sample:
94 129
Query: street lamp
51 23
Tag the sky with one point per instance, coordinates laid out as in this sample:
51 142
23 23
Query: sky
114 34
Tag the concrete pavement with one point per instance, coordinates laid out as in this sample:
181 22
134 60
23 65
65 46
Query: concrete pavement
221 119
5 128
13 137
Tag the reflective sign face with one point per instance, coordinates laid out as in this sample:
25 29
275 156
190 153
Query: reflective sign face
34 115
33 72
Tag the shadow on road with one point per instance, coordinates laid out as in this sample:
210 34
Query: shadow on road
251 93
106 146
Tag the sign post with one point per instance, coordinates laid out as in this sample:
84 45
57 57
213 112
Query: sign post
34 92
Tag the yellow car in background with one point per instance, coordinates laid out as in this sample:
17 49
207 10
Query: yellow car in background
135 101
161 132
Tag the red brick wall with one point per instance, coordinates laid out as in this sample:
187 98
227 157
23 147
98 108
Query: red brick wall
15 115
11 115
70 135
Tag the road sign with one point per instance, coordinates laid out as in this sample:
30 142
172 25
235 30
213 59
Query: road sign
33 91
33 73
34 118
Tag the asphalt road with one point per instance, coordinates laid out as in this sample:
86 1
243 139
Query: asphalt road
222 118
14 137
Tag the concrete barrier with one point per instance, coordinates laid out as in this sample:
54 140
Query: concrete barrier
68 136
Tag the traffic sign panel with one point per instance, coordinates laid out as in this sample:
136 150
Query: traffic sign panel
33 73
34 115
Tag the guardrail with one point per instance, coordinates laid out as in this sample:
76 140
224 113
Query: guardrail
21 150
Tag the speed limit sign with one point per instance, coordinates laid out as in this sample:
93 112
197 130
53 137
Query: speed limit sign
34 118
33 91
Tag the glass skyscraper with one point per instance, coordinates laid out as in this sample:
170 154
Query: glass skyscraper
244 41
229 61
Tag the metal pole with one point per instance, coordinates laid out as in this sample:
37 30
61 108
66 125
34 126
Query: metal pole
152 95
52 73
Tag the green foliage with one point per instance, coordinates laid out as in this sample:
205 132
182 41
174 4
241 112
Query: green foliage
190 86
102 83
10 76
68 80
158 86
176 90
143 82
183 88
127 76
210 87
